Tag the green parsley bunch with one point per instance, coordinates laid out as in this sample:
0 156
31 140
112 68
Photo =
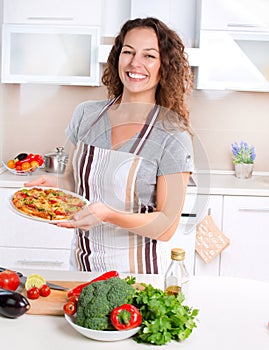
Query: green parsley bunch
165 318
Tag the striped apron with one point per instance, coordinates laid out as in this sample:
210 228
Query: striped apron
109 176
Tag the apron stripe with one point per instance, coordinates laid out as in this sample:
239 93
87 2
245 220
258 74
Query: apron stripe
154 256
147 257
90 155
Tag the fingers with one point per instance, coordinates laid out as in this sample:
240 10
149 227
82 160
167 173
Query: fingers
83 220
41 181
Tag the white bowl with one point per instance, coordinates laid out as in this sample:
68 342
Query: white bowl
102 335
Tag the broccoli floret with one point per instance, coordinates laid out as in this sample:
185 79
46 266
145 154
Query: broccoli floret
120 292
98 299
96 323
97 307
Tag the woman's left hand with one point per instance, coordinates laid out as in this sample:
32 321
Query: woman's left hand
88 217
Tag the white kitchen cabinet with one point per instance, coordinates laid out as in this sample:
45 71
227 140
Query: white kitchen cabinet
214 203
196 207
179 15
246 222
67 12
238 14
185 234
234 45
233 60
28 243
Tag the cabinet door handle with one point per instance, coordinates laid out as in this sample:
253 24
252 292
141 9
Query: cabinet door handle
255 210
41 18
243 25
40 262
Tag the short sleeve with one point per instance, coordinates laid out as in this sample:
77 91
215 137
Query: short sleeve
83 117
177 155
73 127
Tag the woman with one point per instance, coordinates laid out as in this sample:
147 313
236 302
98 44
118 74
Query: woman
131 155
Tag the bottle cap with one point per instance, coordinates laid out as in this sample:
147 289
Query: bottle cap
177 254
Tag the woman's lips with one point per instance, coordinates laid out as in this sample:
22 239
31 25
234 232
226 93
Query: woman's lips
136 75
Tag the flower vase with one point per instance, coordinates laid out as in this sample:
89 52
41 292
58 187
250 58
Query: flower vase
243 170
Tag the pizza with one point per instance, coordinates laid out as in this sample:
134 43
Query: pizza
47 203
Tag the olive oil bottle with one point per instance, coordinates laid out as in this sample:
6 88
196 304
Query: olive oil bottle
177 276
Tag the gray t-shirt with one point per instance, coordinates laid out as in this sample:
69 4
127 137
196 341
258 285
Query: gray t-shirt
165 151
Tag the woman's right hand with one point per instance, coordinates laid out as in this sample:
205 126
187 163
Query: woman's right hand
43 180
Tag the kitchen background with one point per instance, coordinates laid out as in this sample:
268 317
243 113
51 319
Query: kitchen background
33 117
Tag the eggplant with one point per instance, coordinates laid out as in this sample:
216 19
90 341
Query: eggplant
21 156
12 304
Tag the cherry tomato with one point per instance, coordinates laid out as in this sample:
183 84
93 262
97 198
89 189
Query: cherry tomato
44 291
11 164
18 167
33 293
26 166
9 280
70 308
73 298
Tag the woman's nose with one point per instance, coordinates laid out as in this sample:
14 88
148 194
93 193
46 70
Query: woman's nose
136 60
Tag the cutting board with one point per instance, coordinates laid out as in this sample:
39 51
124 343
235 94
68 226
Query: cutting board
52 304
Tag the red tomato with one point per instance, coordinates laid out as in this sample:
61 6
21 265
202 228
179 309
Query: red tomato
18 168
9 280
70 308
33 293
44 291
73 298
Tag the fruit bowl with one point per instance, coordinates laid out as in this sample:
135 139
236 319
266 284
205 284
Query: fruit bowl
20 172
101 335
24 164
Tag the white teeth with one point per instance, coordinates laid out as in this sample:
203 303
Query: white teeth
136 76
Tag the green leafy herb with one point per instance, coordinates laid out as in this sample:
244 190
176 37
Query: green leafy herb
165 318
130 279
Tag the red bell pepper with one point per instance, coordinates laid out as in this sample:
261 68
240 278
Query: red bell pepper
126 316
29 159
39 159
77 290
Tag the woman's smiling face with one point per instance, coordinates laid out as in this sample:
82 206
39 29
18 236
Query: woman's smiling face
139 63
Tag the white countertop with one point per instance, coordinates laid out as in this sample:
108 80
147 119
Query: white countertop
233 315
217 184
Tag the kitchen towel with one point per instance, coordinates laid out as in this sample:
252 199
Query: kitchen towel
210 241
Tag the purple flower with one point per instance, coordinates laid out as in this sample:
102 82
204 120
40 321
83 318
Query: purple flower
243 153
252 153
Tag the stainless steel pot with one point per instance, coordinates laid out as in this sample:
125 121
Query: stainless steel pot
56 162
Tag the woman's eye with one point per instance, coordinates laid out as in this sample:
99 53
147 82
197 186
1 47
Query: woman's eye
126 52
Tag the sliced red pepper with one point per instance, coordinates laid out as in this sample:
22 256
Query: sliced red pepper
126 316
77 290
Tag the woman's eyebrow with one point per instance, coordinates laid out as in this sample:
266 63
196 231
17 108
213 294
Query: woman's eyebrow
147 49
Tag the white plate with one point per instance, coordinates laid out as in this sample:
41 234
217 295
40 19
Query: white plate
41 219
102 335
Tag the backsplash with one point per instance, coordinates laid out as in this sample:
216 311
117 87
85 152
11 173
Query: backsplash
34 118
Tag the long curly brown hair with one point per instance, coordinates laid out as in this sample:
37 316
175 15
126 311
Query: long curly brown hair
175 74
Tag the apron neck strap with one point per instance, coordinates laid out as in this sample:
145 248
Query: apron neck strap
146 130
